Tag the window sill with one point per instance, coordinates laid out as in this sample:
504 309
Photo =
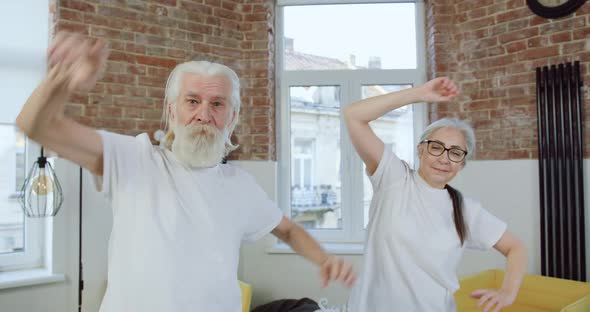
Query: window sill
15 195
31 277
331 248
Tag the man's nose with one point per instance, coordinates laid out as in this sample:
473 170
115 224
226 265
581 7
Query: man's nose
203 113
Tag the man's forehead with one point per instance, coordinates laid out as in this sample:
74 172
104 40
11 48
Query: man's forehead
192 78
196 93
209 86
196 84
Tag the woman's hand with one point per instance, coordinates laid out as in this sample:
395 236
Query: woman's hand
440 89
493 299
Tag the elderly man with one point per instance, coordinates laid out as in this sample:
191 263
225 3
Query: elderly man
179 215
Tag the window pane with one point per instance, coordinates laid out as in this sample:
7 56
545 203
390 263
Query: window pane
315 156
307 173
12 173
296 172
350 36
395 129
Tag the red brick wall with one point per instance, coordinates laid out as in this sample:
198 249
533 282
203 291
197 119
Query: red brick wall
491 48
148 38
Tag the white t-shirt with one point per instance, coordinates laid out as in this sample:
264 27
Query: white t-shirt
412 248
176 232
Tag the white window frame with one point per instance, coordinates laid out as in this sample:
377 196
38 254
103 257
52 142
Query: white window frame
349 82
37 238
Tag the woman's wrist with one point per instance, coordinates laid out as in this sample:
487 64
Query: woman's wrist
418 95
510 290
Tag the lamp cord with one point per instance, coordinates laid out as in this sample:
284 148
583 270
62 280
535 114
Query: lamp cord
80 279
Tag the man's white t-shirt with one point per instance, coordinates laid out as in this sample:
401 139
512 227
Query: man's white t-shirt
412 248
176 231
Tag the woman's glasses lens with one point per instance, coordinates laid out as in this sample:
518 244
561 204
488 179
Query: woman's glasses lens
454 154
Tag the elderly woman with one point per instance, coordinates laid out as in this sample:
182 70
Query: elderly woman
419 225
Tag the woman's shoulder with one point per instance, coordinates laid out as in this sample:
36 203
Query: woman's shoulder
471 207
471 202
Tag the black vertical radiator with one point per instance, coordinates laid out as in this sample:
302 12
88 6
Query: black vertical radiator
561 184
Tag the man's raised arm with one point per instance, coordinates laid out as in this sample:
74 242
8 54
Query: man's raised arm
75 65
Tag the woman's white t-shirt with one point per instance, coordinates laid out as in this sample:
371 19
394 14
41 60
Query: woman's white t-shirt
176 233
412 248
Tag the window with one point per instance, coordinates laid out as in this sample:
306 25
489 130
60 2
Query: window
325 64
22 66
315 176
11 218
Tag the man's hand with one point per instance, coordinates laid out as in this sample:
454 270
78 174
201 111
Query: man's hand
81 60
334 268
331 268
75 64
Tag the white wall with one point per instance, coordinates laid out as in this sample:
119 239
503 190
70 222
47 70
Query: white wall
24 35
508 189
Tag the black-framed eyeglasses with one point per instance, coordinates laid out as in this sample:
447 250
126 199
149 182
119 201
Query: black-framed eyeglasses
437 148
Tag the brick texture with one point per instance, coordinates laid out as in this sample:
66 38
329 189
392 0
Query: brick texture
148 38
491 49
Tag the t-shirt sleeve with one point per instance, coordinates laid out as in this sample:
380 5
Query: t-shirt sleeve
485 229
122 156
261 214
390 170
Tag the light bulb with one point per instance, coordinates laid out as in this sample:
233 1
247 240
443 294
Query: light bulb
42 185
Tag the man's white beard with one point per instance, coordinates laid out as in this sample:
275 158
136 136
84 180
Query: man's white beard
198 145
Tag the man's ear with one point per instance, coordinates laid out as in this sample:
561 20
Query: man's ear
233 116
171 112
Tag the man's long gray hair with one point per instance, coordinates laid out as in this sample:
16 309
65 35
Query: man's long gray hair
206 69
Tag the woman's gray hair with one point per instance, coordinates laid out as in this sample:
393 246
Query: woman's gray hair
455 123
206 69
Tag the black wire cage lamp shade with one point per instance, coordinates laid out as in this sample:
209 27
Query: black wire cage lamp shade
41 194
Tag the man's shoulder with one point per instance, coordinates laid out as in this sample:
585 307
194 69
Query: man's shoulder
240 175
233 171
142 137
136 149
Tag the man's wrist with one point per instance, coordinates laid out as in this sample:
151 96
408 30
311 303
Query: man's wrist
325 257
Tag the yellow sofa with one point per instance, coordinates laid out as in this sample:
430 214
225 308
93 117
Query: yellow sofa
246 296
537 293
